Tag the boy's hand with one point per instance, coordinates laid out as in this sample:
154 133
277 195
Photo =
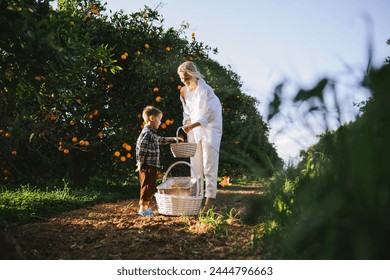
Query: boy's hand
138 167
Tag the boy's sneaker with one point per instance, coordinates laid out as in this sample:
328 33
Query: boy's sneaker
147 213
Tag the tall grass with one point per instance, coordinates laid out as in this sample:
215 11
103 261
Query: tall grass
335 203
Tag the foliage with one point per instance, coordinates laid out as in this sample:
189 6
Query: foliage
334 204
74 81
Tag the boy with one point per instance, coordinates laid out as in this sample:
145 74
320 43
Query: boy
148 157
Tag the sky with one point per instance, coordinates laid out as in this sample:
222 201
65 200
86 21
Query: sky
296 41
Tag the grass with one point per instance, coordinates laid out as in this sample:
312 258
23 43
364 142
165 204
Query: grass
27 203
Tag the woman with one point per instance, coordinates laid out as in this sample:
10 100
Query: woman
202 121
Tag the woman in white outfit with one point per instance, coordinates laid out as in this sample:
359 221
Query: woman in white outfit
202 121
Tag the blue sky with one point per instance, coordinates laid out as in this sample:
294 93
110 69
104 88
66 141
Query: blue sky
266 42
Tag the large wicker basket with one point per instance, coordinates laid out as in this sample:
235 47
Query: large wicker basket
178 186
183 149
179 202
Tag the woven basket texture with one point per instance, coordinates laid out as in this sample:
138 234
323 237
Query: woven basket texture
183 150
178 186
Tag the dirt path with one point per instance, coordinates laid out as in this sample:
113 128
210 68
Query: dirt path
115 231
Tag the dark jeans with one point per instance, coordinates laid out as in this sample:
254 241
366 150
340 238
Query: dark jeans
147 179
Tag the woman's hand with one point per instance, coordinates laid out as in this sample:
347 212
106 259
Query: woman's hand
188 127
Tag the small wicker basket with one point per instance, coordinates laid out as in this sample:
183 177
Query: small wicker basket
183 149
179 202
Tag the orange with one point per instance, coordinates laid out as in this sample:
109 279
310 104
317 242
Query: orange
179 87
53 118
123 159
158 99
128 155
123 57
71 122
128 148
86 143
168 49
117 153
82 142
66 151
101 134
74 139
155 89
147 46
14 153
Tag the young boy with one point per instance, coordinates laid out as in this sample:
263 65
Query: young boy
148 157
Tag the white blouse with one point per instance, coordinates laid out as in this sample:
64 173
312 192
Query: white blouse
203 106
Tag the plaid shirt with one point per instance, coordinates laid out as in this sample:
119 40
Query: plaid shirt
147 148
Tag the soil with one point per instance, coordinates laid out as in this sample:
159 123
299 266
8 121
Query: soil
115 231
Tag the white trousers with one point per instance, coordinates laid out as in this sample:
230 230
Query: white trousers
205 162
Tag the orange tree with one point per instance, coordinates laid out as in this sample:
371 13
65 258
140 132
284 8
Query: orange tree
74 82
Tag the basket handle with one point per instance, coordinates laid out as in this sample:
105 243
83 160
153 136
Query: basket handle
198 189
177 133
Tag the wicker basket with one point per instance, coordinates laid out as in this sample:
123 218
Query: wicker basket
177 204
178 186
183 149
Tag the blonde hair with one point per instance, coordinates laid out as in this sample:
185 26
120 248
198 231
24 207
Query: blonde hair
150 111
189 68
